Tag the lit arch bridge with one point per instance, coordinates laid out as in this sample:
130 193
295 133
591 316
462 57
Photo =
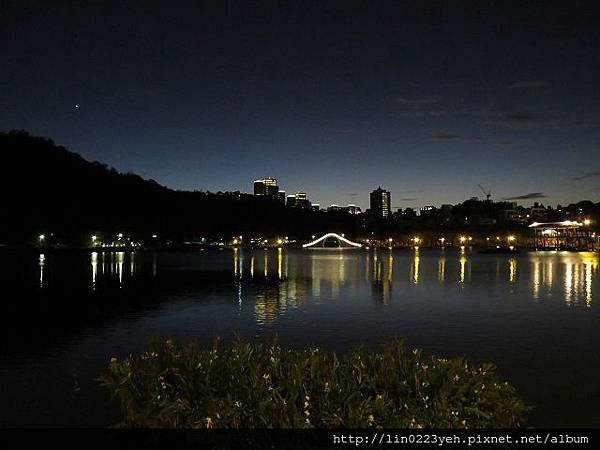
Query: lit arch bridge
341 240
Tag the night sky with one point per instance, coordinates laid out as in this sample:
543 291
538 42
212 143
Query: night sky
334 98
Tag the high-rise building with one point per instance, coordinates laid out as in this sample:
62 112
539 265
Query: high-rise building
380 203
281 196
298 200
267 187
302 200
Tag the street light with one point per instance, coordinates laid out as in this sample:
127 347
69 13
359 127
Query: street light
587 222
462 239
41 238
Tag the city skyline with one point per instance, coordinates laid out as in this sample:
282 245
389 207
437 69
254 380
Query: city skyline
427 100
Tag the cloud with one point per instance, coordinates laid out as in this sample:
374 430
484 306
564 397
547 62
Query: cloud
530 196
422 101
445 137
586 175
527 84
409 199
530 120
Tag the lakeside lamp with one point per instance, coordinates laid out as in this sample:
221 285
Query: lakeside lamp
462 239
41 238
279 241
442 240
511 238
235 241
587 222
120 236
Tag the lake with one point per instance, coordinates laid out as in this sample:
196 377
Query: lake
536 315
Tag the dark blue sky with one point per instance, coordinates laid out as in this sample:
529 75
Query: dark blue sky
333 98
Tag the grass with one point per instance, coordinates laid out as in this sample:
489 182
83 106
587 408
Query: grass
253 385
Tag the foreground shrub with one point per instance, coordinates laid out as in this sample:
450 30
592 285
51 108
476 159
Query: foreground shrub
247 384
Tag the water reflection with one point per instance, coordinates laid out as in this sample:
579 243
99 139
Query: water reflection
94 260
279 279
42 264
415 266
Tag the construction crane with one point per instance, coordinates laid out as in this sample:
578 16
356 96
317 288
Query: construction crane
487 192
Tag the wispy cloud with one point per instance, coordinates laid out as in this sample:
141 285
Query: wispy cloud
409 199
531 120
587 175
527 84
446 137
420 101
530 196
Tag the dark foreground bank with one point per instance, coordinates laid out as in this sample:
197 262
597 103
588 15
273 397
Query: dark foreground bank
253 385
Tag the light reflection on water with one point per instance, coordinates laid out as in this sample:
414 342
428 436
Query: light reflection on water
450 301
309 272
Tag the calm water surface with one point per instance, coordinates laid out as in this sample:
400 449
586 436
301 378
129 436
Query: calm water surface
64 314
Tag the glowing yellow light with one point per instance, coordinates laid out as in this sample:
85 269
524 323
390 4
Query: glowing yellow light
390 239
511 238
587 222
279 241
442 240
463 239
235 241
334 235
416 240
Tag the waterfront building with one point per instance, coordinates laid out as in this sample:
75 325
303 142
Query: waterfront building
266 187
409 213
380 203
302 200
565 235
291 201
281 196
353 209
428 210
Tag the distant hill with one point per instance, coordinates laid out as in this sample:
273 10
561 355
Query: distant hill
47 188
